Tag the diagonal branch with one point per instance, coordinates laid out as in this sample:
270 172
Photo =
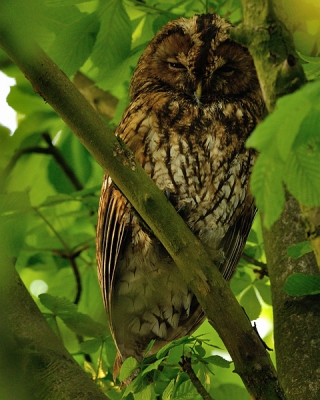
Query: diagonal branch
251 360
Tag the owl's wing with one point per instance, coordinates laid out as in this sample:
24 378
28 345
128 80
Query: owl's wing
235 239
113 217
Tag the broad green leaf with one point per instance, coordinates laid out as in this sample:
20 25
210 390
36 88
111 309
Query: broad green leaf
218 361
251 304
14 215
129 366
264 290
299 249
90 346
167 393
146 393
78 159
58 305
163 352
78 322
23 100
74 43
302 285
240 282
175 354
186 391
152 367
302 175
57 19
200 350
309 130
267 187
115 28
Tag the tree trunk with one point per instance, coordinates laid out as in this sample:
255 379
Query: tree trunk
296 319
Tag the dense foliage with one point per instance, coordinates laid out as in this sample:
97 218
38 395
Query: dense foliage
50 194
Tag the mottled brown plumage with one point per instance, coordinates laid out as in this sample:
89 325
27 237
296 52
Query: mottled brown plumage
195 98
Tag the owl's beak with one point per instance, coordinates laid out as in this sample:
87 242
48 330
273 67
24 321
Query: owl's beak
198 91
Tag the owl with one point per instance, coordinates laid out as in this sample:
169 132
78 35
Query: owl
195 98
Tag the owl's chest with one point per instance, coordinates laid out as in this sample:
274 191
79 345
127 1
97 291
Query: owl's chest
203 173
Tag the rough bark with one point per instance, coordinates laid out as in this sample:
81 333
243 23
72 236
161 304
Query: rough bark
35 364
296 319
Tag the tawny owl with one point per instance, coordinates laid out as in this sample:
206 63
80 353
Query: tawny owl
195 98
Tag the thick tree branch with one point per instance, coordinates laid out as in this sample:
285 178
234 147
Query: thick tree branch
251 360
48 371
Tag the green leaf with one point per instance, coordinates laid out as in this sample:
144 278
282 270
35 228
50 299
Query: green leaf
90 346
152 367
79 323
184 340
200 350
302 175
267 187
115 28
58 305
146 393
264 290
14 215
77 157
186 391
218 361
279 130
167 393
240 282
309 130
74 43
149 347
299 249
251 304
129 366
302 285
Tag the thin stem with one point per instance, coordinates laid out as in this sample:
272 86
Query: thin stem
61 161
187 367
59 237
78 279
50 150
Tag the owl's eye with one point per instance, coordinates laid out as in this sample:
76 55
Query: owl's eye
176 65
226 69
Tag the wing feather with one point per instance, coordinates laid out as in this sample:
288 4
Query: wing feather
113 218
234 241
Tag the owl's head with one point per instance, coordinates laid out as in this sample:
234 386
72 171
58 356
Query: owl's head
195 58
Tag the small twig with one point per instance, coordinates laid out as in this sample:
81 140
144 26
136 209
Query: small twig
263 266
50 150
78 278
61 161
20 152
185 364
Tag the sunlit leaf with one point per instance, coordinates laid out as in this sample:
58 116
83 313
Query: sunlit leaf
251 304
74 43
76 321
129 366
218 361
115 28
